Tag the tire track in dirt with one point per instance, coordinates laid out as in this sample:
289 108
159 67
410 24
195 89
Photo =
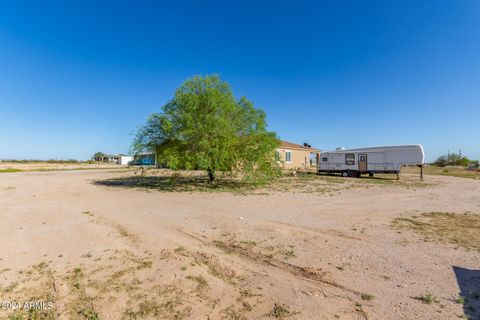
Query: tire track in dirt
314 275
122 231
328 232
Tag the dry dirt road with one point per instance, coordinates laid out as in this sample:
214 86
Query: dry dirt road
99 252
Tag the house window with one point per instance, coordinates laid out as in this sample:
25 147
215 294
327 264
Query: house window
277 156
324 159
349 159
288 156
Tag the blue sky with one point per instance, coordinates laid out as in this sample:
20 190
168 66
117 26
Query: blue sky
78 77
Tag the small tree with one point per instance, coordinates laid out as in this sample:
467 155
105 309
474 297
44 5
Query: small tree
204 127
452 159
98 155
441 161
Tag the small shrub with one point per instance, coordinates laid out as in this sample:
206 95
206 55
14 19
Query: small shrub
279 311
87 255
180 250
15 316
88 314
367 296
427 298
460 299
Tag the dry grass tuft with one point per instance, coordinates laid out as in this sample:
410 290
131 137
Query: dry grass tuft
280 311
460 229
426 298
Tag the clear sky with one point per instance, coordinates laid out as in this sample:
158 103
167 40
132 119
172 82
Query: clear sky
78 77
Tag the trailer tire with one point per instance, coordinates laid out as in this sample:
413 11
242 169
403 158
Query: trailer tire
370 174
354 174
345 173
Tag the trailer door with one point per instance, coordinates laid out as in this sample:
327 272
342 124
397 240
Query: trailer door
362 162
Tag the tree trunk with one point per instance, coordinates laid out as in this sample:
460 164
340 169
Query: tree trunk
211 175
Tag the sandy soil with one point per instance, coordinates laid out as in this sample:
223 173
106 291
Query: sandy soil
120 253
47 166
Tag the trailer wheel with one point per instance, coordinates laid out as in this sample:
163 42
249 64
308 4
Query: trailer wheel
354 174
370 174
345 173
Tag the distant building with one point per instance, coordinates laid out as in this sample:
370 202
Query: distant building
296 156
113 158
145 159
125 160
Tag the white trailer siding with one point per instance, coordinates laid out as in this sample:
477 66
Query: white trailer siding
124 160
376 161
386 159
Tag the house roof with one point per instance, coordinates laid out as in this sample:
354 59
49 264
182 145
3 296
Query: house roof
112 155
290 145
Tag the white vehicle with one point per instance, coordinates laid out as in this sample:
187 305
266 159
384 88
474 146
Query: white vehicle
386 159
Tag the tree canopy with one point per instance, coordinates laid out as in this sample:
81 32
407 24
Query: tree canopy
452 159
98 154
204 127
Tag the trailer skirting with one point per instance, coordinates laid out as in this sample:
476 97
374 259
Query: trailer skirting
363 172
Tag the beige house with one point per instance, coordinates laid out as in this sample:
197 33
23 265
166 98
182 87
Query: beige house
296 156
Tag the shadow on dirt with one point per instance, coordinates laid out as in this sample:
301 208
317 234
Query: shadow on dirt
175 184
469 283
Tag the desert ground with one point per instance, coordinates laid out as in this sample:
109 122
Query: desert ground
8 166
99 244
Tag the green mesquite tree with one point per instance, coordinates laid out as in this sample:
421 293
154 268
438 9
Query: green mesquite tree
204 127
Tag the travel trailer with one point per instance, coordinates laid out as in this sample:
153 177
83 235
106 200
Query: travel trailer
355 162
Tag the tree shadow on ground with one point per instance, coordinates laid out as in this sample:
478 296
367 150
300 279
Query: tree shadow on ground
469 283
176 184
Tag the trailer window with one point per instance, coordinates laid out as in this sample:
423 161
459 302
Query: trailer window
325 159
349 159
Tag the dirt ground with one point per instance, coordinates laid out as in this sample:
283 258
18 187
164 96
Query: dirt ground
52 166
103 251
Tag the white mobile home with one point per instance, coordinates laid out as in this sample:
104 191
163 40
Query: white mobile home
124 160
113 158
386 159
